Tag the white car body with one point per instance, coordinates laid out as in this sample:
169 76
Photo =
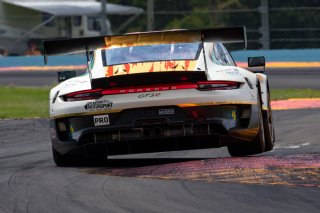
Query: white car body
249 99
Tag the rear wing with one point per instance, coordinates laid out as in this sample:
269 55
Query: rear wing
78 45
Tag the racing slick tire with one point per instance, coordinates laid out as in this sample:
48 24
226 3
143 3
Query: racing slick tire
257 145
268 126
66 160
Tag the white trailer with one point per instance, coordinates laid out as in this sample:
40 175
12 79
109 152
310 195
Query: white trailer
22 20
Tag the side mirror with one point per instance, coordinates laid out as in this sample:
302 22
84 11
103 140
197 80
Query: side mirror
65 75
257 62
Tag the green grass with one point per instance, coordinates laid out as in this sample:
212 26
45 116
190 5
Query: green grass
284 94
23 102
19 102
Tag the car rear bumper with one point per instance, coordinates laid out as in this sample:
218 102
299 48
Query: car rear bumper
146 130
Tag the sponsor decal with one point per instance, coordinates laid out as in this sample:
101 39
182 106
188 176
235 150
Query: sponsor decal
101 120
224 70
71 129
234 73
98 105
70 84
233 115
149 95
166 111
73 83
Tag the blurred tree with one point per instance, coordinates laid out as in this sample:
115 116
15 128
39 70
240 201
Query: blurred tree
195 14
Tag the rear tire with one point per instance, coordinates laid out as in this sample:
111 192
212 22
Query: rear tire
268 126
257 145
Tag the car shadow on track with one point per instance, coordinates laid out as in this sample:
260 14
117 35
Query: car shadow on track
132 162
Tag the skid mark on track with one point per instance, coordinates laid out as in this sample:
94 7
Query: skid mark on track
290 170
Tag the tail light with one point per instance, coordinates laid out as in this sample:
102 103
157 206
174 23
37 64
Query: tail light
203 86
218 85
83 95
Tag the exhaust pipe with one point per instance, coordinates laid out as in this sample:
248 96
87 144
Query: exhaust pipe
146 132
157 131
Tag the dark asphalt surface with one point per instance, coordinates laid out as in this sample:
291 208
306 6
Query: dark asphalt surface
301 78
29 181
278 78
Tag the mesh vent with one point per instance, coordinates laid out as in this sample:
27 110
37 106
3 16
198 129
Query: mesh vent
151 113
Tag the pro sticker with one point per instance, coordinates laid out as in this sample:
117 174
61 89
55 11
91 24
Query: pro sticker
101 120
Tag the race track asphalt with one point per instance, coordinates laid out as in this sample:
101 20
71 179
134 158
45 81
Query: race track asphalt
278 78
286 179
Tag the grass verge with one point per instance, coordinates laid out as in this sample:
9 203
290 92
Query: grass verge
22 102
284 94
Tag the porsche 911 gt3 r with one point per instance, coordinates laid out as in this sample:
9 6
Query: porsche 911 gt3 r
159 91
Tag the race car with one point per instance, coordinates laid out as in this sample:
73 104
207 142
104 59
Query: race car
158 91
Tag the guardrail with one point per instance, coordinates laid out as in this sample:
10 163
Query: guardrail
35 63
295 55
297 58
274 58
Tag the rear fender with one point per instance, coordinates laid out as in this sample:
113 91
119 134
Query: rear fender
263 80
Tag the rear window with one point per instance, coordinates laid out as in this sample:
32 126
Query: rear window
161 52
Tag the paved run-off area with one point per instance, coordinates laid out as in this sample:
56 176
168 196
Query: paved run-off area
286 179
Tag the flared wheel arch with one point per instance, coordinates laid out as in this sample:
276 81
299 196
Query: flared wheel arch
257 145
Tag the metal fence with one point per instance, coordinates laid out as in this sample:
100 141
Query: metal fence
269 26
